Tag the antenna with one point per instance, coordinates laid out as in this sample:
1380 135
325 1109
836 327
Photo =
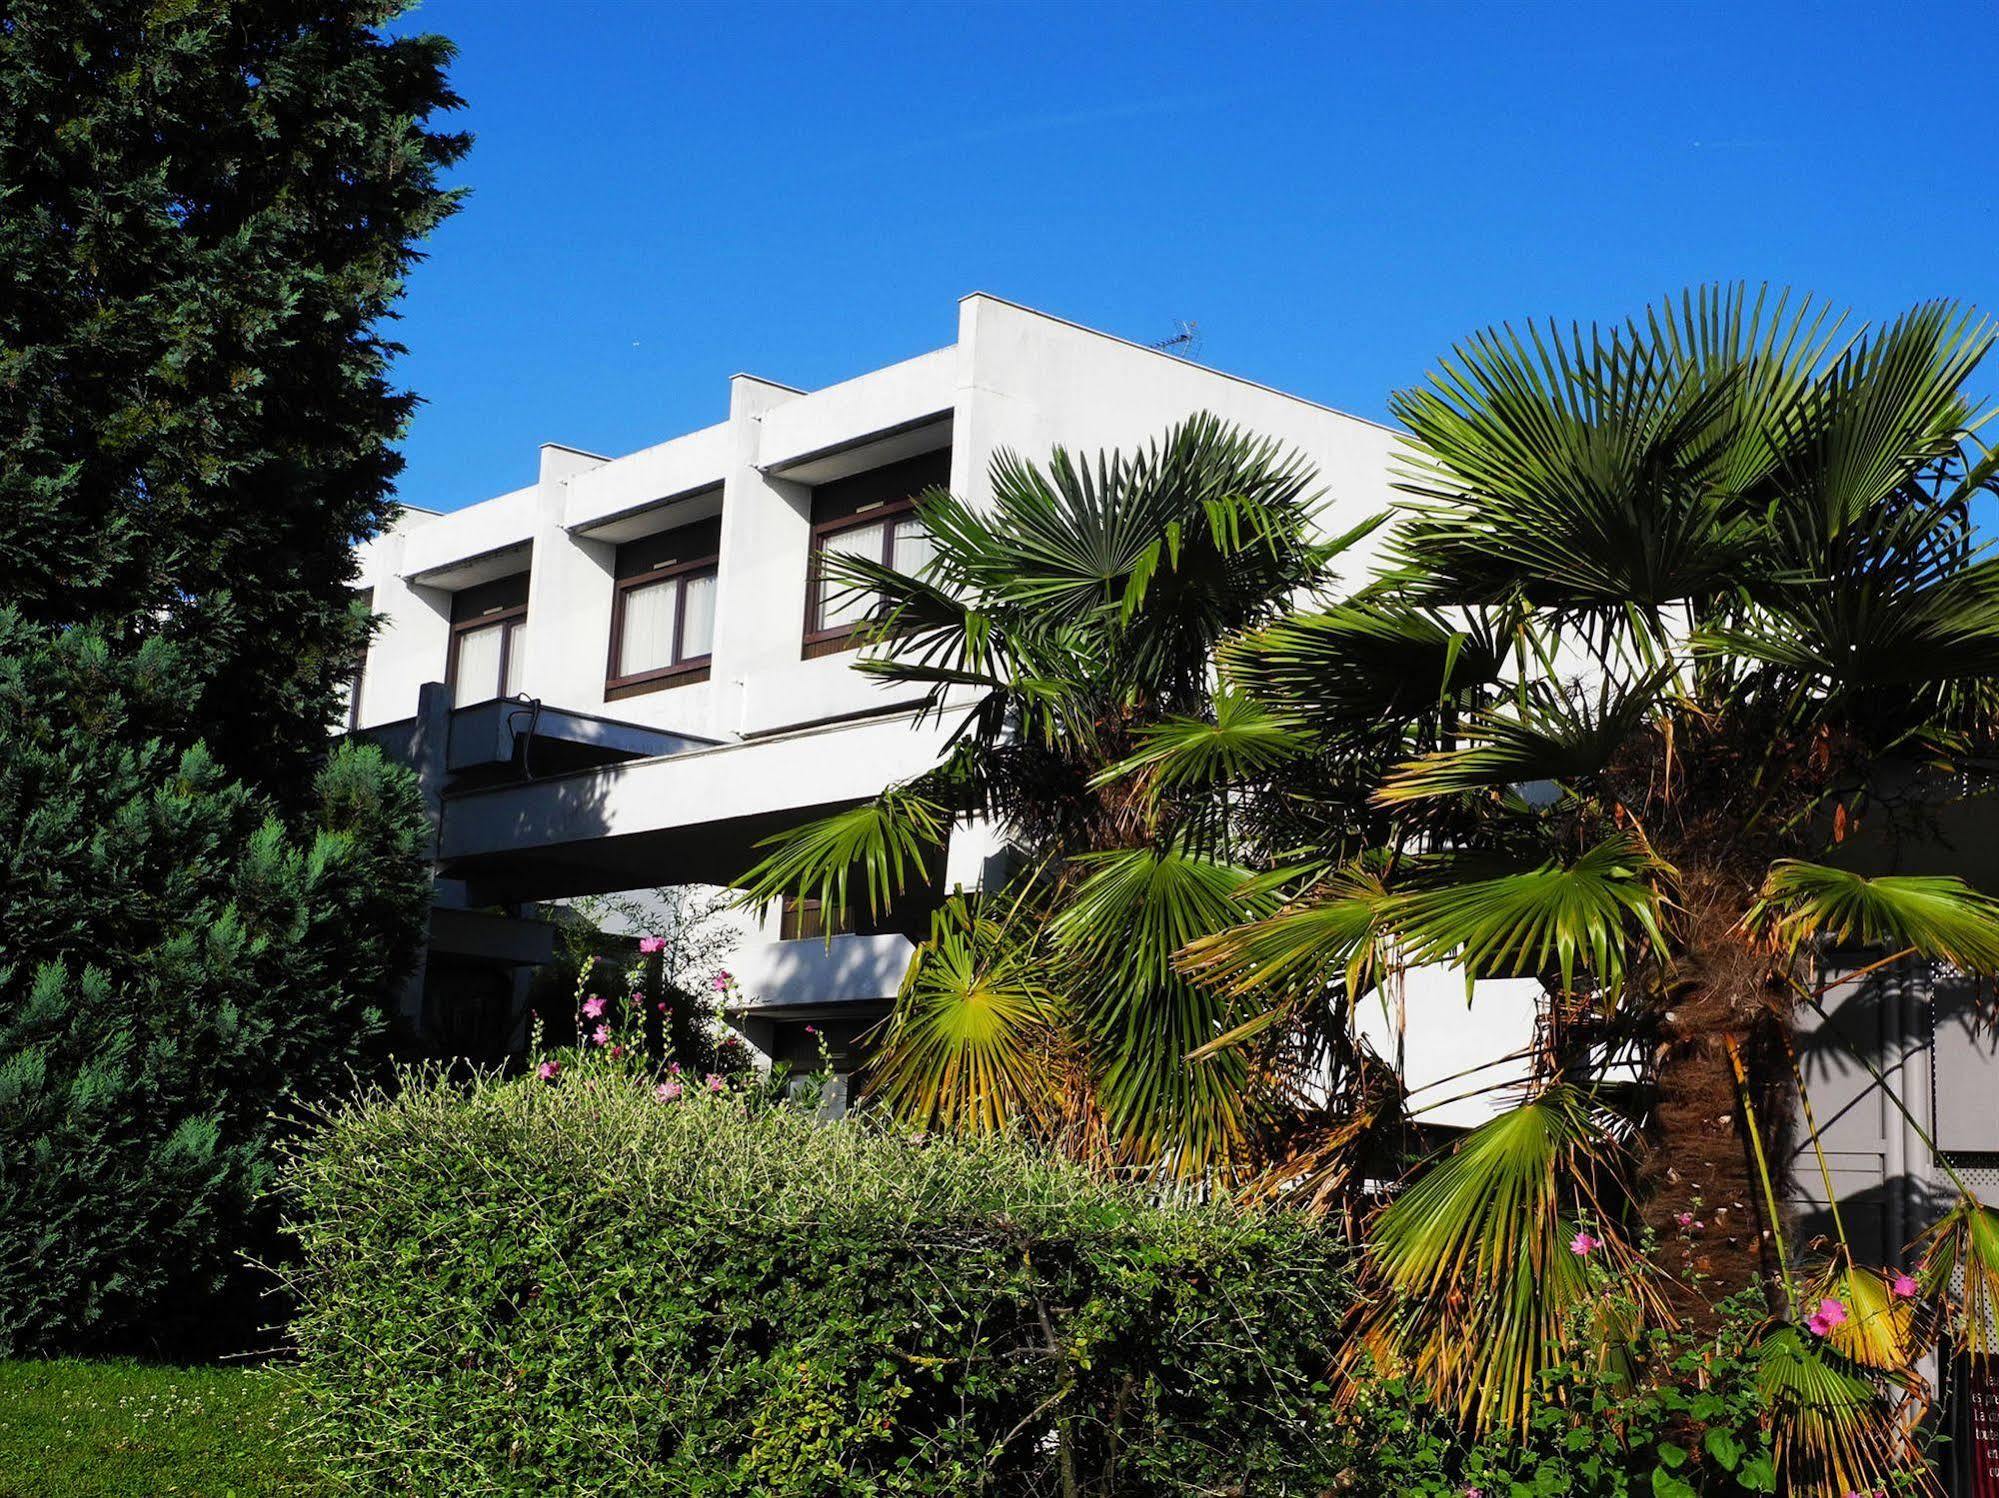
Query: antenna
1183 343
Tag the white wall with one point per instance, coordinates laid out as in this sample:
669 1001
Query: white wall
1013 378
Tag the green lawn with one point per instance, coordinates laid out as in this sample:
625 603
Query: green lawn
89 1429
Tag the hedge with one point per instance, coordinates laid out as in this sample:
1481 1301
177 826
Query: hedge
586 1286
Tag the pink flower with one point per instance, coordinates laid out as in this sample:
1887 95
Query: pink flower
593 1008
811 1029
602 1035
674 1067
651 944
616 1051
666 1092
722 980
548 1071
1829 1315
662 1006
1904 1285
714 1082
1583 1245
1685 1219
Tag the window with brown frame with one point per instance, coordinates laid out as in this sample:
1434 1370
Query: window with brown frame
803 918
488 629
663 610
870 515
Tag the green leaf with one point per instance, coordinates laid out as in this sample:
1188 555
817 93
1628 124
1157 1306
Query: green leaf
968 1043
1665 1484
1938 916
890 840
1590 912
1723 1447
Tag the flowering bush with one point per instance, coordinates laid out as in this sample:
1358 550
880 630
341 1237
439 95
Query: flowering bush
617 1281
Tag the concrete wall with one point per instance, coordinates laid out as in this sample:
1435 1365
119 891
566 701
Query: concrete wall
1011 379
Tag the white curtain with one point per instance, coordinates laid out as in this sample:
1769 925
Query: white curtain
647 641
476 676
698 618
840 604
913 547
517 654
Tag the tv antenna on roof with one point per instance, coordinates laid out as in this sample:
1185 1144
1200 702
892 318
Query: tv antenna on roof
1183 343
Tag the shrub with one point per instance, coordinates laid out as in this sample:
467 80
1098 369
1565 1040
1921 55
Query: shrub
1690 1423
580 1286
177 966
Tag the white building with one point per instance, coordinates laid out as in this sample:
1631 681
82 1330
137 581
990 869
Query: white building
619 677
688 693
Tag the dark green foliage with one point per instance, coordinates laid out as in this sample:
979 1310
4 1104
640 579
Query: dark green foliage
582 1288
1692 1425
176 965
206 208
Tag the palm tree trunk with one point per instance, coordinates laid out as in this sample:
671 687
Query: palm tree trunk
1700 1187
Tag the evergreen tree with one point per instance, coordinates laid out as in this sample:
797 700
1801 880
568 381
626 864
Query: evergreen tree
181 970
206 212
207 208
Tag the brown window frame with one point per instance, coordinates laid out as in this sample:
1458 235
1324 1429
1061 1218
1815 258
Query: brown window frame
820 640
684 670
797 912
459 629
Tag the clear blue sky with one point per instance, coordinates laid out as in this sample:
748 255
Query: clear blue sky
664 194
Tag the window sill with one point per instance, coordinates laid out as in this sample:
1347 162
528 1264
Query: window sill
655 681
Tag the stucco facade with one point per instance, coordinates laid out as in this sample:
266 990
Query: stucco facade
573 767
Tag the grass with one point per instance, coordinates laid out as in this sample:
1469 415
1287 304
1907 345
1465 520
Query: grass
73 1428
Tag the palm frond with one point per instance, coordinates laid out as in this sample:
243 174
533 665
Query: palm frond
1117 935
1363 663
967 1044
891 841
1831 1433
1554 736
1960 1261
1483 1288
1591 912
1879 1330
1241 740
1330 936
1940 917
1600 471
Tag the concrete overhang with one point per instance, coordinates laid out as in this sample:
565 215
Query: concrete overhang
487 936
488 733
877 418
487 566
923 434
649 517
526 736
691 817
655 489
473 545
796 977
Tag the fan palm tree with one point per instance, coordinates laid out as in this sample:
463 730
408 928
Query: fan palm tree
1676 616
1679 615
1066 628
